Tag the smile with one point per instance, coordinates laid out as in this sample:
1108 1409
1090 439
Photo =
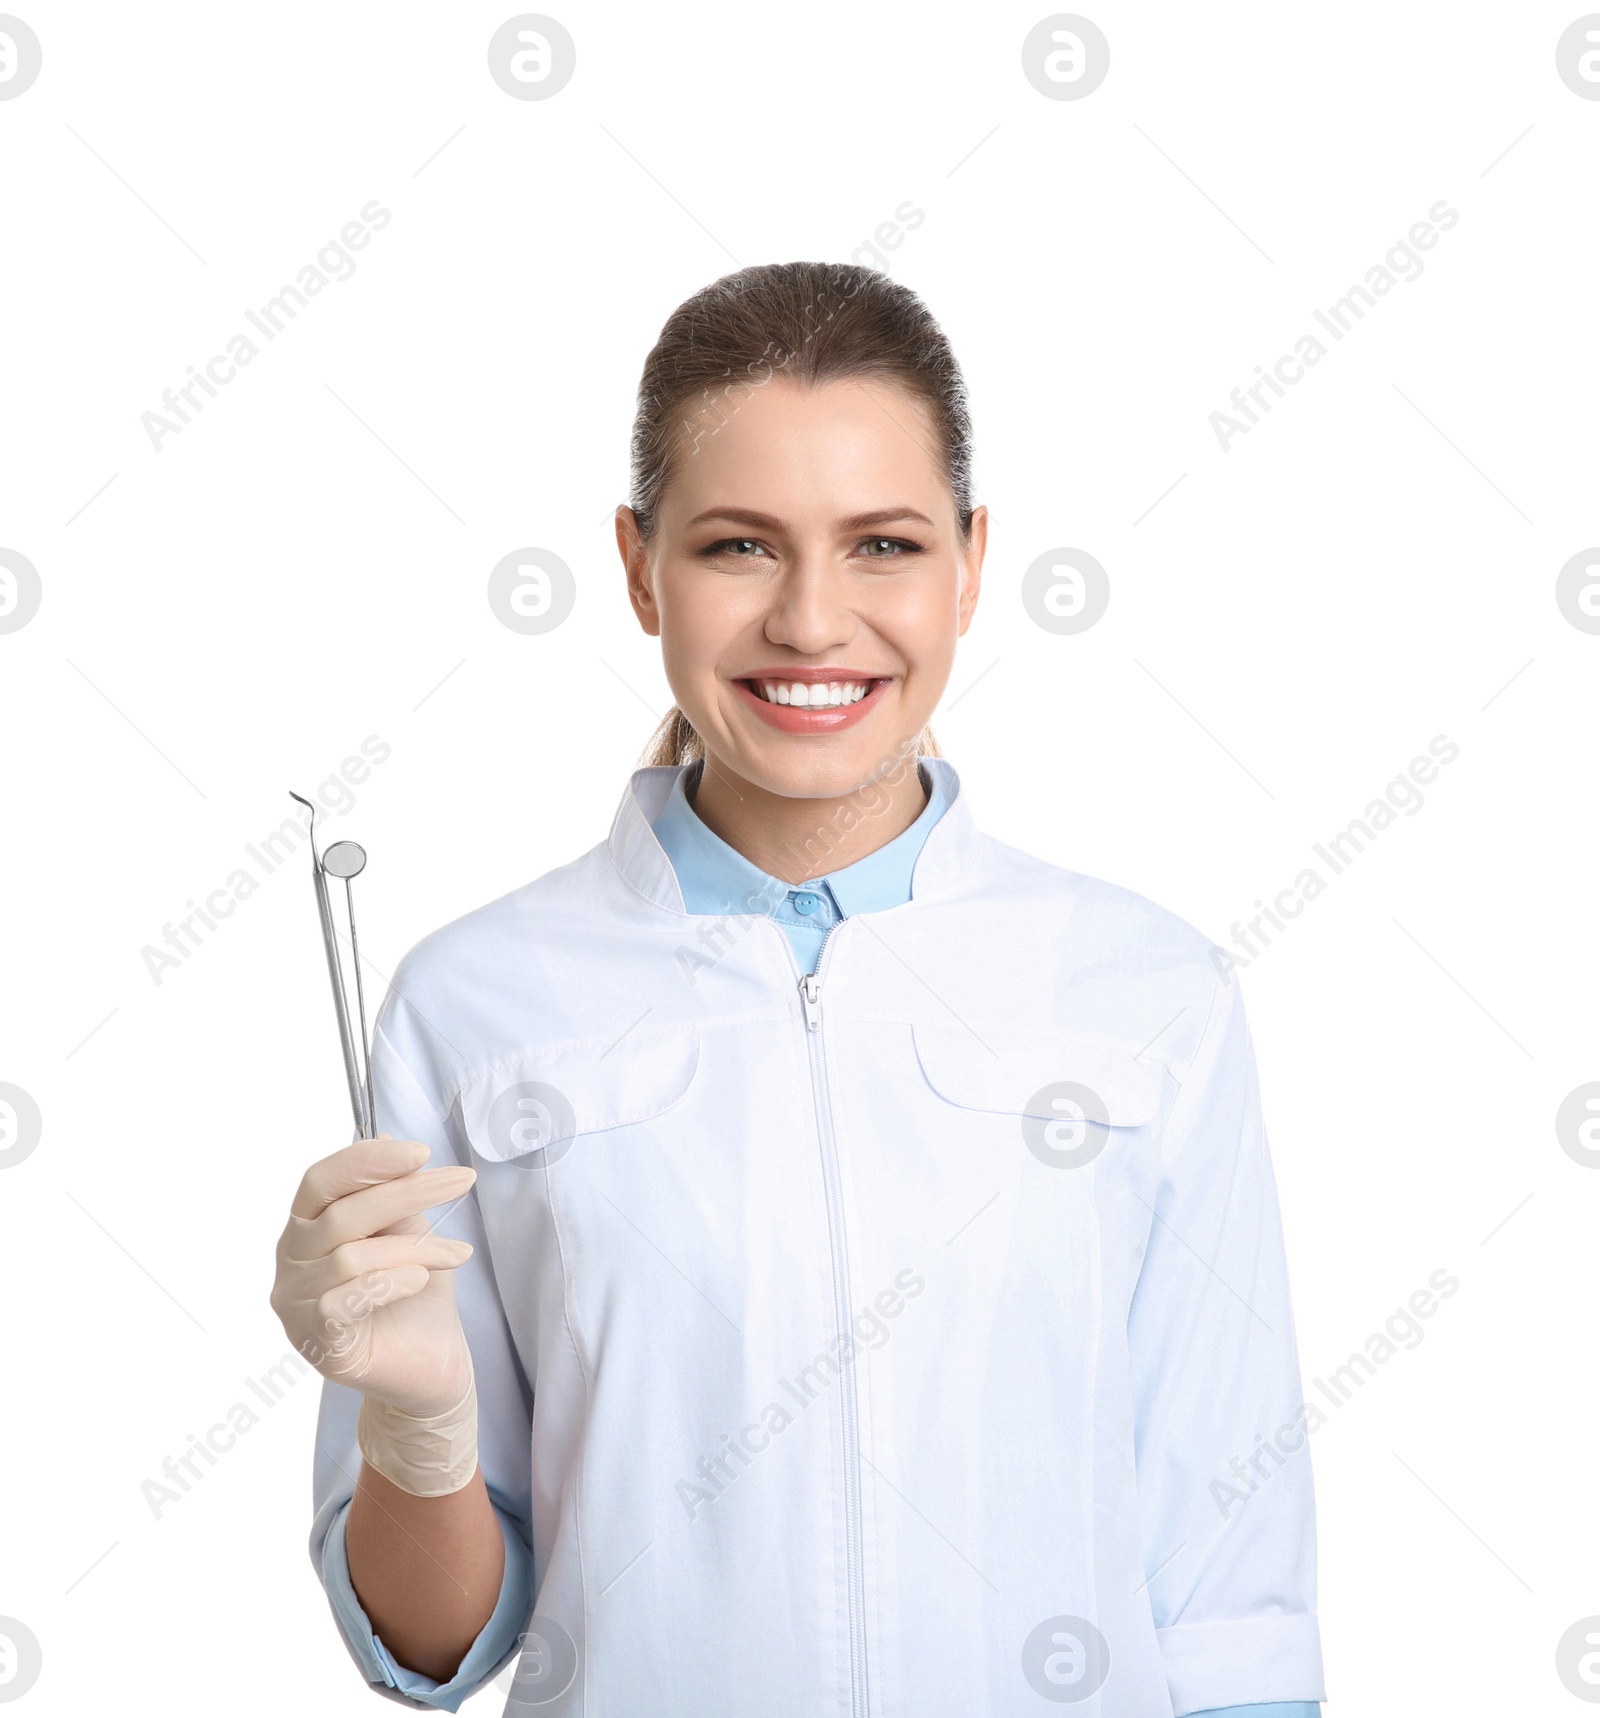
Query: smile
818 704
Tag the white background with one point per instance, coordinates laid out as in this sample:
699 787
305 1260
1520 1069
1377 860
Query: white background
1373 565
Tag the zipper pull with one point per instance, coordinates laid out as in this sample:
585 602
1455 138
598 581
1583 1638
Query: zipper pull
811 1001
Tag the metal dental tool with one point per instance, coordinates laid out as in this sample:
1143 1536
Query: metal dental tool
344 859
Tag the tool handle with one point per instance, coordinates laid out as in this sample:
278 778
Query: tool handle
352 1068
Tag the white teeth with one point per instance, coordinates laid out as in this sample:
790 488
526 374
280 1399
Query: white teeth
806 695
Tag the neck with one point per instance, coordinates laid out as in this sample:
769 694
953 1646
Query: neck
798 839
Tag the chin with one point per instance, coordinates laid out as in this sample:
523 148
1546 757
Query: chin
822 767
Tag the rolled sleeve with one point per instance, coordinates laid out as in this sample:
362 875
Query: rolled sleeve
492 1648
1223 1469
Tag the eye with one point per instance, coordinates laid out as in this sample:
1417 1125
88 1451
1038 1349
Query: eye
746 548
887 548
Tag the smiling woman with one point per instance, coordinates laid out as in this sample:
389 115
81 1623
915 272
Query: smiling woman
817 550
794 1038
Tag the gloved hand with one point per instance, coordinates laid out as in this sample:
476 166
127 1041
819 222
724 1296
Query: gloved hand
366 1294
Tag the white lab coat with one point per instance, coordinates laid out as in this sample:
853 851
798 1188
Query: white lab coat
824 1356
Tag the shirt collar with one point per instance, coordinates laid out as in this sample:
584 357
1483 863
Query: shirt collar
883 879
717 878
938 847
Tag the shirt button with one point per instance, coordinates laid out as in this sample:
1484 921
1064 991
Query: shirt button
805 903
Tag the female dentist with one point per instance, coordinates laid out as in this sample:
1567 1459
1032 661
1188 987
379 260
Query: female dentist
855 1283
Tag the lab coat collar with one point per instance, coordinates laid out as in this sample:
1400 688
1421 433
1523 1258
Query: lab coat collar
883 879
643 862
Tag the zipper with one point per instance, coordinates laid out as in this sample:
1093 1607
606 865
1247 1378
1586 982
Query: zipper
811 1004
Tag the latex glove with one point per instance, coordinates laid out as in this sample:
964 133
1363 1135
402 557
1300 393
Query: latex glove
366 1294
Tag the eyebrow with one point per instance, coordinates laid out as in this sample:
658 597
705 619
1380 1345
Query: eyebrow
856 521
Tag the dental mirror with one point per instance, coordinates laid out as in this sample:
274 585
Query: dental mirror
345 859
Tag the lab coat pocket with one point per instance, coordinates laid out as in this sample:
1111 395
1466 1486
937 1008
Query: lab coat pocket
529 1109
1069 1093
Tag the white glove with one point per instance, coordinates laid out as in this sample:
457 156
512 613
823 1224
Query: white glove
366 1293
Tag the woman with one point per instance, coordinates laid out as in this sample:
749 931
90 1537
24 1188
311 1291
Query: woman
869 1295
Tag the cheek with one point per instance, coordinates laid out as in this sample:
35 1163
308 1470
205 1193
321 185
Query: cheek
704 620
919 618
699 615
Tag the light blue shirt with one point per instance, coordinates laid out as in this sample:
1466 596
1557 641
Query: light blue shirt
716 881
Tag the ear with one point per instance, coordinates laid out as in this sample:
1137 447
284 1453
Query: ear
636 568
972 567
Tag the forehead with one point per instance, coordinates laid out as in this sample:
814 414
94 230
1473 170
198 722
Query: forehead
800 451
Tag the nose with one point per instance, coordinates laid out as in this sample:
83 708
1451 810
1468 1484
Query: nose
810 612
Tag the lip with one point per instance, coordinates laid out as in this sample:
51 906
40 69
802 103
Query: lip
829 718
